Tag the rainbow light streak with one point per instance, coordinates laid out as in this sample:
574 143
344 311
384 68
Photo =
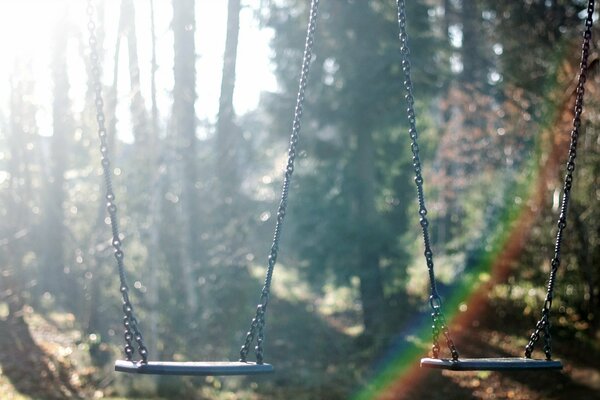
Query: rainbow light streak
399 369
400 366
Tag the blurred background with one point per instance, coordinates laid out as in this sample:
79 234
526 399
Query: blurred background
199 99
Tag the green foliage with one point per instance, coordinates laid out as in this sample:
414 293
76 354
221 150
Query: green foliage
349 215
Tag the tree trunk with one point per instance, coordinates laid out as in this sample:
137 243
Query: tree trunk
371 284
17 218
473 64
98 233
111 104
586 265
184 124
228 133
61 128
155 205
447 4
137 105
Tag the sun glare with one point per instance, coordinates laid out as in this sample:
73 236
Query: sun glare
26 32
28 29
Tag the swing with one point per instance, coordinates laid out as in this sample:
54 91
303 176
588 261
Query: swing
133 335
439 323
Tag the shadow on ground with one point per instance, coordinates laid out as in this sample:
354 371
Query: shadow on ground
30 369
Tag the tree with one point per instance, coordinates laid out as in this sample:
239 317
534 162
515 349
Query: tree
62 130
137 106
24 237
184 129
344 205
156 202
228 134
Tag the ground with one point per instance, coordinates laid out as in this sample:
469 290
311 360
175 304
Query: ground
44 358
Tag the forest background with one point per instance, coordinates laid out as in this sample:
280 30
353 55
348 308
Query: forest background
199 99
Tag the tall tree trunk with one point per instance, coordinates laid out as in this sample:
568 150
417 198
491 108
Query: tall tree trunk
22 141
371 283
441 229
472 58
447 4
584 260
111 104
13 278
184 124
137 106
61 127
228 133
97 260
147 145
472 82
155 203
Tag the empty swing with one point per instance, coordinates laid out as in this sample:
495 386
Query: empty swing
439 323
133 335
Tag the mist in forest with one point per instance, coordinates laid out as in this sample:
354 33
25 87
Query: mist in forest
191 111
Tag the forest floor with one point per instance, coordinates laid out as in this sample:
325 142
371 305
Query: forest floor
44 358
579 379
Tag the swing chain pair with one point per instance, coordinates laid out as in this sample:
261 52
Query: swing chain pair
435 301
544 322
258 322
132 330
440 326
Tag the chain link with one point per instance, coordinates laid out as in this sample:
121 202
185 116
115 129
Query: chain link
132 331
258 322
435 301
544 322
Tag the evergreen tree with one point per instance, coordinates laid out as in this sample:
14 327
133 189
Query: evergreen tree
350 208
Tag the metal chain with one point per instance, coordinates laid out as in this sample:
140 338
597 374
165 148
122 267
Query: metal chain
435 301
544 322
258 322
132 331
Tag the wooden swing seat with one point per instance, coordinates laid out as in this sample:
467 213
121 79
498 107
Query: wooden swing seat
490 364
203 368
